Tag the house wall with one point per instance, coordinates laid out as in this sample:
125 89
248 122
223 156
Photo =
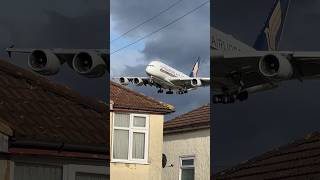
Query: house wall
5 165
150 171
51 168
195 143
5 169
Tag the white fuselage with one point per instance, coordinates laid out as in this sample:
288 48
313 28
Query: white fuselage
226 42
161 74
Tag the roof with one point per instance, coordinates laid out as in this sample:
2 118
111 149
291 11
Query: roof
43 112
196 119
126 99
297 160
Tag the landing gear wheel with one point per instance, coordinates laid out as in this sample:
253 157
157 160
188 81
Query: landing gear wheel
243 96
160 91
224 99
169 92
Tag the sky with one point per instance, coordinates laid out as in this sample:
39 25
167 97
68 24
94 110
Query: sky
57 24
178 45
272 118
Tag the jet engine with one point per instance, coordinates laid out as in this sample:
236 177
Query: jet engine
124 81
44 62
138 81
89 64
275 66
196 82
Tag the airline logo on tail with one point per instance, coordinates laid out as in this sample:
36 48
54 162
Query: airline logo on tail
195 69
270 35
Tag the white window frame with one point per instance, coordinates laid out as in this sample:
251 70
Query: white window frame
131 130
70 170
188 166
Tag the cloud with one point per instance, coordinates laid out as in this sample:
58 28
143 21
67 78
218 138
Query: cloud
178 45
58 24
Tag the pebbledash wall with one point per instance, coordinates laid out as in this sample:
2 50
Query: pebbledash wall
192 143
150 171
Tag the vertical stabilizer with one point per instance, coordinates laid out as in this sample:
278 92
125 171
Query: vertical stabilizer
270 35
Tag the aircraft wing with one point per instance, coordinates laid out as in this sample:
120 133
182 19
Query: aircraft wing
190 83
91 63
255 68
134 80
57 51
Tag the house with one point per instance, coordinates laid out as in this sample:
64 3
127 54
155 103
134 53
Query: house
187 146
297 160
136 123
48 131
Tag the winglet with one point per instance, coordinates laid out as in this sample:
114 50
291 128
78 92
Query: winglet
195 69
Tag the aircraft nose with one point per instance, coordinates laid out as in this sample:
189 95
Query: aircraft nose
148 69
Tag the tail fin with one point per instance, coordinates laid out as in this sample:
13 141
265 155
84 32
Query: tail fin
270 35
195 69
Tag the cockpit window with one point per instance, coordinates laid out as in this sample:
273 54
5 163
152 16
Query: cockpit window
150 65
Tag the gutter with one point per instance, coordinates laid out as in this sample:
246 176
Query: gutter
166 111
58 146
183 129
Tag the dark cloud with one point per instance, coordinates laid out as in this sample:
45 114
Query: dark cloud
178 45
57 24
272 118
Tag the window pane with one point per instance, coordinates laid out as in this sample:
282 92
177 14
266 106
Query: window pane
122 120
120 144
139 121
138 145
187 174
187 162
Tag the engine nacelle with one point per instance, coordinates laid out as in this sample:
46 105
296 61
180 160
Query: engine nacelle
124 81
44 62
196 82
89 64
138 81
275 66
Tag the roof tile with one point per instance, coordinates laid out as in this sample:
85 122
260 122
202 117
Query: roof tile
38 109
297 160
197 118
125 98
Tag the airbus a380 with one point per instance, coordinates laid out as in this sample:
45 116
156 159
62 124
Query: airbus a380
240 70
163 76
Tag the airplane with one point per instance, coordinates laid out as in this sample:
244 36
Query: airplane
91 63
163 76
240 70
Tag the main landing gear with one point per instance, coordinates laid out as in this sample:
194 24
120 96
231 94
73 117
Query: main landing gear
182 91
169 92
228 99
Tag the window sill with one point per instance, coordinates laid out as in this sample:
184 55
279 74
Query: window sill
129 162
